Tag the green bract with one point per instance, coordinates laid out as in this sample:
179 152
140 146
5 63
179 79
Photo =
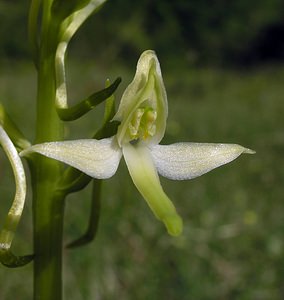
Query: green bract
143 113
81 10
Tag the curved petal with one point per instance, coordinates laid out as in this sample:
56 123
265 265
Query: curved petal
188 160
146 179
96 158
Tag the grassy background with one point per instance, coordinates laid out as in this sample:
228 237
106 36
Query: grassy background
232 246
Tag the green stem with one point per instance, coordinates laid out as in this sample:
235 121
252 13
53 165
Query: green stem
48 205
48 230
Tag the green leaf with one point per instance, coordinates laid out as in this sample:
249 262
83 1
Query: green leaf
80 109
10 260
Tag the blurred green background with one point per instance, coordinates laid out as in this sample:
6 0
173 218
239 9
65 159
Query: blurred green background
223 67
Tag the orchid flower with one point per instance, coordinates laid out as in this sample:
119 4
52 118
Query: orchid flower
143 114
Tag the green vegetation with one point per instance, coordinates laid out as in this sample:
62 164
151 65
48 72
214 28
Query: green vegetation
201 31
232 246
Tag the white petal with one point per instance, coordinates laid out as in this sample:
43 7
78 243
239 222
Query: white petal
146 179
188 160
96 158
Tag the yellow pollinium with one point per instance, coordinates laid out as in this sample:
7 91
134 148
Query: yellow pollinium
143 124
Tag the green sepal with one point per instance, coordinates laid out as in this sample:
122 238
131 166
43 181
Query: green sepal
94 216
12 130
10 260
80 109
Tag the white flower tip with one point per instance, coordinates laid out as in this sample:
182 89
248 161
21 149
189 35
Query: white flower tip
174 224
249 151
148 52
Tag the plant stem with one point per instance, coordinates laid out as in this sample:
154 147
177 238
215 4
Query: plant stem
48 204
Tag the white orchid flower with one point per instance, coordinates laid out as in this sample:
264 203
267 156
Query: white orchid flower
143 113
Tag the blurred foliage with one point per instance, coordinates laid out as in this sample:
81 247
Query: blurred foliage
203 31
13 28
198 31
